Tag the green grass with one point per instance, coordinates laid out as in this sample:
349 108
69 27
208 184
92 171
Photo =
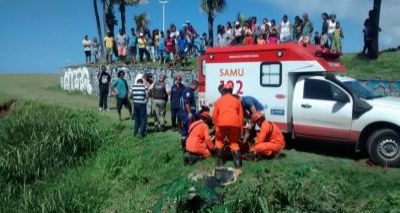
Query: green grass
127 174
386 67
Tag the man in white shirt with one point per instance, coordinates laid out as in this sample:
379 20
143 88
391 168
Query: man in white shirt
86 48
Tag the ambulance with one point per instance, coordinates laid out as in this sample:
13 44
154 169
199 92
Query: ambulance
303 92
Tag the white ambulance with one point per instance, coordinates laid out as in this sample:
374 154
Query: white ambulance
296 85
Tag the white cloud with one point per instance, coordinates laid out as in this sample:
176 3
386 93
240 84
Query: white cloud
350 10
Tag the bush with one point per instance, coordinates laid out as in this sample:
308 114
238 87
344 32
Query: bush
36 139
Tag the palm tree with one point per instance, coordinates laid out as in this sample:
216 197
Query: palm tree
375 29
141 22
98 25
122 8
212 7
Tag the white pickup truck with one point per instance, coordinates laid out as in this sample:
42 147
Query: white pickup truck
302 96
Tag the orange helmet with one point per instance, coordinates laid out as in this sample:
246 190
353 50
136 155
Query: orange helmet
257 116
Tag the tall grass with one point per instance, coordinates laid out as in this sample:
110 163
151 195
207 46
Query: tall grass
37 138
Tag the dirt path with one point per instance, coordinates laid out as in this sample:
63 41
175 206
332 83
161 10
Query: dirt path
5 107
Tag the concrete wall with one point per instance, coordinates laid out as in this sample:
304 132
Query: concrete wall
84 79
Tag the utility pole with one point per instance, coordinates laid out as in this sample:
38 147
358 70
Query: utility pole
163 14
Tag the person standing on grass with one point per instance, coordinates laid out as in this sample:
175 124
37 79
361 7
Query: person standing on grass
324 32
120 88
228 119
187 110
161 48
307 30
86 48
139 94
182 48
337 39
170 49
104 84
109 44
96 50
176 94
160 97
142 47
132 44
285 30
121 44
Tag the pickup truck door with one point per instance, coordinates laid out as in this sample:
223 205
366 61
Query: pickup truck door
321 109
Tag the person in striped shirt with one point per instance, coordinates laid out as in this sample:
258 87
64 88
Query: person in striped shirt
139 94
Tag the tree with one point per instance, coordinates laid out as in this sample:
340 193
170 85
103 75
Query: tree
98 25
374 15
122 8
141 22
212 8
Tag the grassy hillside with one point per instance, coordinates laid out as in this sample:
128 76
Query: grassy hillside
126 174
386 67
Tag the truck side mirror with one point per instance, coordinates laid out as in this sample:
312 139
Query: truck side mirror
341 97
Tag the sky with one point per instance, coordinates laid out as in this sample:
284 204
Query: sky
40 36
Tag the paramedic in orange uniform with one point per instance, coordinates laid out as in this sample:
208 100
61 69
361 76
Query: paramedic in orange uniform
228 119
270 140
199 141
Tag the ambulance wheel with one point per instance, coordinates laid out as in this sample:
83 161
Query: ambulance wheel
384 147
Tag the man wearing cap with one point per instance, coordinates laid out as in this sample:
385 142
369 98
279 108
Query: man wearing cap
198 143
228 119
176 94
238 33
120 88
104 84
187 110
270 140
160 97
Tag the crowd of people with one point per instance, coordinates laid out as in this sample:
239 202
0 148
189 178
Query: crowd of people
169 48
269 32
176 45
234 123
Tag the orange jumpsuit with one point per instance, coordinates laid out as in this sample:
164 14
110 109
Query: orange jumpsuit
228 119
199 140
269 140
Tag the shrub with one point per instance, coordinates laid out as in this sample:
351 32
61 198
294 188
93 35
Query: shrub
36 139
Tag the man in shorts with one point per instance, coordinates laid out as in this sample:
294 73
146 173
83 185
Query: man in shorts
121 45
109 43
170 49
86 47
120 88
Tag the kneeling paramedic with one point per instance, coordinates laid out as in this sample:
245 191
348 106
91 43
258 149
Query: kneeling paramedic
270 140
198 142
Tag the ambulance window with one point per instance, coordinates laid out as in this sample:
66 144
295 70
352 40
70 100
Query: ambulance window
271 74
203 66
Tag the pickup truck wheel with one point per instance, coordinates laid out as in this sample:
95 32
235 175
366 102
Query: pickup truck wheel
384 147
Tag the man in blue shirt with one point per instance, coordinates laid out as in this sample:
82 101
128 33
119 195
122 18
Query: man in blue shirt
182 48
250 106
132 44
187 110
176 93
120 88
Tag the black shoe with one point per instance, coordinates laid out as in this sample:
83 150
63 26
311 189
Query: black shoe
252 156
237 159
183 145
191 159
220 161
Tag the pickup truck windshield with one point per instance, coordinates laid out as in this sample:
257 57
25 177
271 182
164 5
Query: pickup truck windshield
361 90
